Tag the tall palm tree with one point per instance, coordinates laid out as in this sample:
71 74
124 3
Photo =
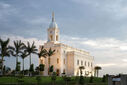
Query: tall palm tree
31 49
4 51
17 49
50 53
97 68
42 53
23 56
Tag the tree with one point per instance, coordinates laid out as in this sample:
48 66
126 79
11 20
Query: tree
97 68
31 68
18 66
41 68
42 53
81 80
23 56
81 68
4 51
91 79
51 69
53 77
104 78
50 53
31 49
16 50
66 79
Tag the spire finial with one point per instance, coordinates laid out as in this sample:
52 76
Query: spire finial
53 17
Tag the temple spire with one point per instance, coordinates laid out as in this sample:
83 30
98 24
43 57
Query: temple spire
53 19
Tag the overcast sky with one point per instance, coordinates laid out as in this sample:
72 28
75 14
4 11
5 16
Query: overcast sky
96 26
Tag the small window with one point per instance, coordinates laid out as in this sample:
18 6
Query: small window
51 37
88 64
81 62
57 60
77 62
56 37
85 63
64 61
91 64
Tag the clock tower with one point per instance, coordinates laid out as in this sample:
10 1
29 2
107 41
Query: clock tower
53 31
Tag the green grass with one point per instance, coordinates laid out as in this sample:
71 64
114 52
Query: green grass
47 81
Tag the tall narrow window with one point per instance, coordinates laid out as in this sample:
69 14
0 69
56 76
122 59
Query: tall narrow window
88 64
77 62
64 61
57 60
56 37
51 37
91 64
85 63
81 62
48 60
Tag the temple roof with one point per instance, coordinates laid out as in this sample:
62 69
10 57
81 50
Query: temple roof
53 23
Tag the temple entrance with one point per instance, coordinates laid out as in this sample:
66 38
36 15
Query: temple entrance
57 72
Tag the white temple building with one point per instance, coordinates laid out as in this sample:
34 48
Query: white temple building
66 59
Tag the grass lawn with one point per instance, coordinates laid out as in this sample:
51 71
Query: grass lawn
47 81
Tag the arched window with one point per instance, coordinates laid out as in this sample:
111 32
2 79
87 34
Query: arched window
56 37
81 62
91 64
57 60
64 61
51 37
85 63
77 62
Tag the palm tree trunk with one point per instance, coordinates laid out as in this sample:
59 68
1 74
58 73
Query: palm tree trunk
2 64
30 59
30 65
23 66
49 65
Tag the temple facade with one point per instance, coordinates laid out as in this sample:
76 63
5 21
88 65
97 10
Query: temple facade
66 59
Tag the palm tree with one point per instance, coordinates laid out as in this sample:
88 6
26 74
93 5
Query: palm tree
23 56
4 51
50 53
17 49
42 53
30 49
97 68
81 68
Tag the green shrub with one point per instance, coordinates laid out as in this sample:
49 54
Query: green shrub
38 78
41 67
91 79
81 80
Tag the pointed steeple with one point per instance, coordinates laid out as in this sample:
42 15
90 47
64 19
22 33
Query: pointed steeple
53 23
53 18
